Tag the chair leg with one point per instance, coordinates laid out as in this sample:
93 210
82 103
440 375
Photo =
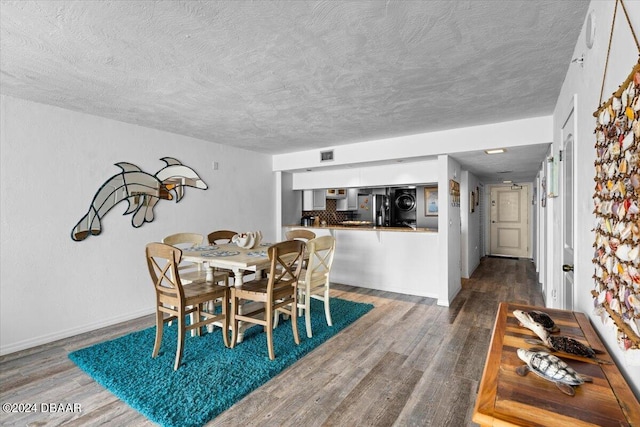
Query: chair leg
294 318
225 320
301 294
170 322
181 332
234 321
159 328
307 312
192 320
269 328
327 311
196 317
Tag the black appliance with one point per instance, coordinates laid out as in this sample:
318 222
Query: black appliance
374 209
307 221
403 207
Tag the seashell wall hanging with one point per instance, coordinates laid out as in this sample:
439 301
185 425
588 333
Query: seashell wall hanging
616 258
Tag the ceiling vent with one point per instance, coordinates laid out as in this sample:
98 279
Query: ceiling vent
326 156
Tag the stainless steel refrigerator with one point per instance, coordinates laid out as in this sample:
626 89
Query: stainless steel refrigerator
373 208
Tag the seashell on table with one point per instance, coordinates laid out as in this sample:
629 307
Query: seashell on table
248 240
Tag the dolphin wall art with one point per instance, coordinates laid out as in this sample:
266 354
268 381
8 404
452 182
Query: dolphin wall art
141 190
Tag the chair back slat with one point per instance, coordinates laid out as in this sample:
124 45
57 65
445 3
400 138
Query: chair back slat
187 239
321 251
286 263
300 235
220 236
163 263
189 270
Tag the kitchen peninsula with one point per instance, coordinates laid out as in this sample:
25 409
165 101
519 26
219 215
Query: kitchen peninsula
396 259
412 259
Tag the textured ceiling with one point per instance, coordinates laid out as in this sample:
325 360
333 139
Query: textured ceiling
282 76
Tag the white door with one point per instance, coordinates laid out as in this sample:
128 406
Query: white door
510 221
566 205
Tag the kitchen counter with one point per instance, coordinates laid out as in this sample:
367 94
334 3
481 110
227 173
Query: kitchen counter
366 228
391 259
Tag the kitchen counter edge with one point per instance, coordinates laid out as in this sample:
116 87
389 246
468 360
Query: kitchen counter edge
364 228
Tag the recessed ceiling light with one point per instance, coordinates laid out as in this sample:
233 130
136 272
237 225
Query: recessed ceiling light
507 181
495 151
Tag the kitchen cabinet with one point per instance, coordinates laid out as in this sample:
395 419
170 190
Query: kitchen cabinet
336 193
350 203
314 200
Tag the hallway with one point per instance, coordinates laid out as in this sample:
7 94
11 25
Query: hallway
408 362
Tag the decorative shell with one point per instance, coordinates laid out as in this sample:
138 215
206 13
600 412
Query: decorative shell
247 240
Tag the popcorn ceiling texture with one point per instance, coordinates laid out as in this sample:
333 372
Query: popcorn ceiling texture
283 76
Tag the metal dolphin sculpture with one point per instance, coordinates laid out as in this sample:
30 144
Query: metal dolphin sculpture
141 190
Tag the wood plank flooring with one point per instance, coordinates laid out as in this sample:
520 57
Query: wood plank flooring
408 362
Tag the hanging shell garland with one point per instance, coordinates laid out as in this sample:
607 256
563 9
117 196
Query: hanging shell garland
617 191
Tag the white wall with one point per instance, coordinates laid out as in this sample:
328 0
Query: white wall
449 229
470 226
540 259
400 262
405 173
290 204
535 130
52 163
586 81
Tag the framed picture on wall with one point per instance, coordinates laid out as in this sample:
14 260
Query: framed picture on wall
454 191
431 201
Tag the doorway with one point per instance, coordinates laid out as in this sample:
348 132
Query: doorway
510 221
567 207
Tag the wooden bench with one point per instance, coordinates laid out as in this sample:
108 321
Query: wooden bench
506 399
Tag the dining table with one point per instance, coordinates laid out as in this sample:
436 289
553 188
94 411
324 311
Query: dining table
229 256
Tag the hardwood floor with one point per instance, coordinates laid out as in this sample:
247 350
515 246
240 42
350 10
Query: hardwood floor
408 362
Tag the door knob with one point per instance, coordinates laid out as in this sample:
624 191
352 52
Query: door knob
567 267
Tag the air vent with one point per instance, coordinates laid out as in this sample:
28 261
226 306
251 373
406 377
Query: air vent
326 156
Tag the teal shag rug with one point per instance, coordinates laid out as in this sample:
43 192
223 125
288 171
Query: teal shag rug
212 377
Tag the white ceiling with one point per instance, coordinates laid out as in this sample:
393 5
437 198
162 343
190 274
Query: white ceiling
283 76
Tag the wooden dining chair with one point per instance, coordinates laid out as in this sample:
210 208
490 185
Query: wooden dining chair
177 300
314 280
299 234
194 271
304 235
276 292
188 271
220 236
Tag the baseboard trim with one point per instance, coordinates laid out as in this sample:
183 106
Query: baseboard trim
87 327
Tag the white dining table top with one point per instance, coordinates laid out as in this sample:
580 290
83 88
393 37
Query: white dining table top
229 256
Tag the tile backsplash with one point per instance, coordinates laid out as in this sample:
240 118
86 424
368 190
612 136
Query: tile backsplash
330 214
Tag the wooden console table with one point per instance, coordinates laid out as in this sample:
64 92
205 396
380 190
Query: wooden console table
506 399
